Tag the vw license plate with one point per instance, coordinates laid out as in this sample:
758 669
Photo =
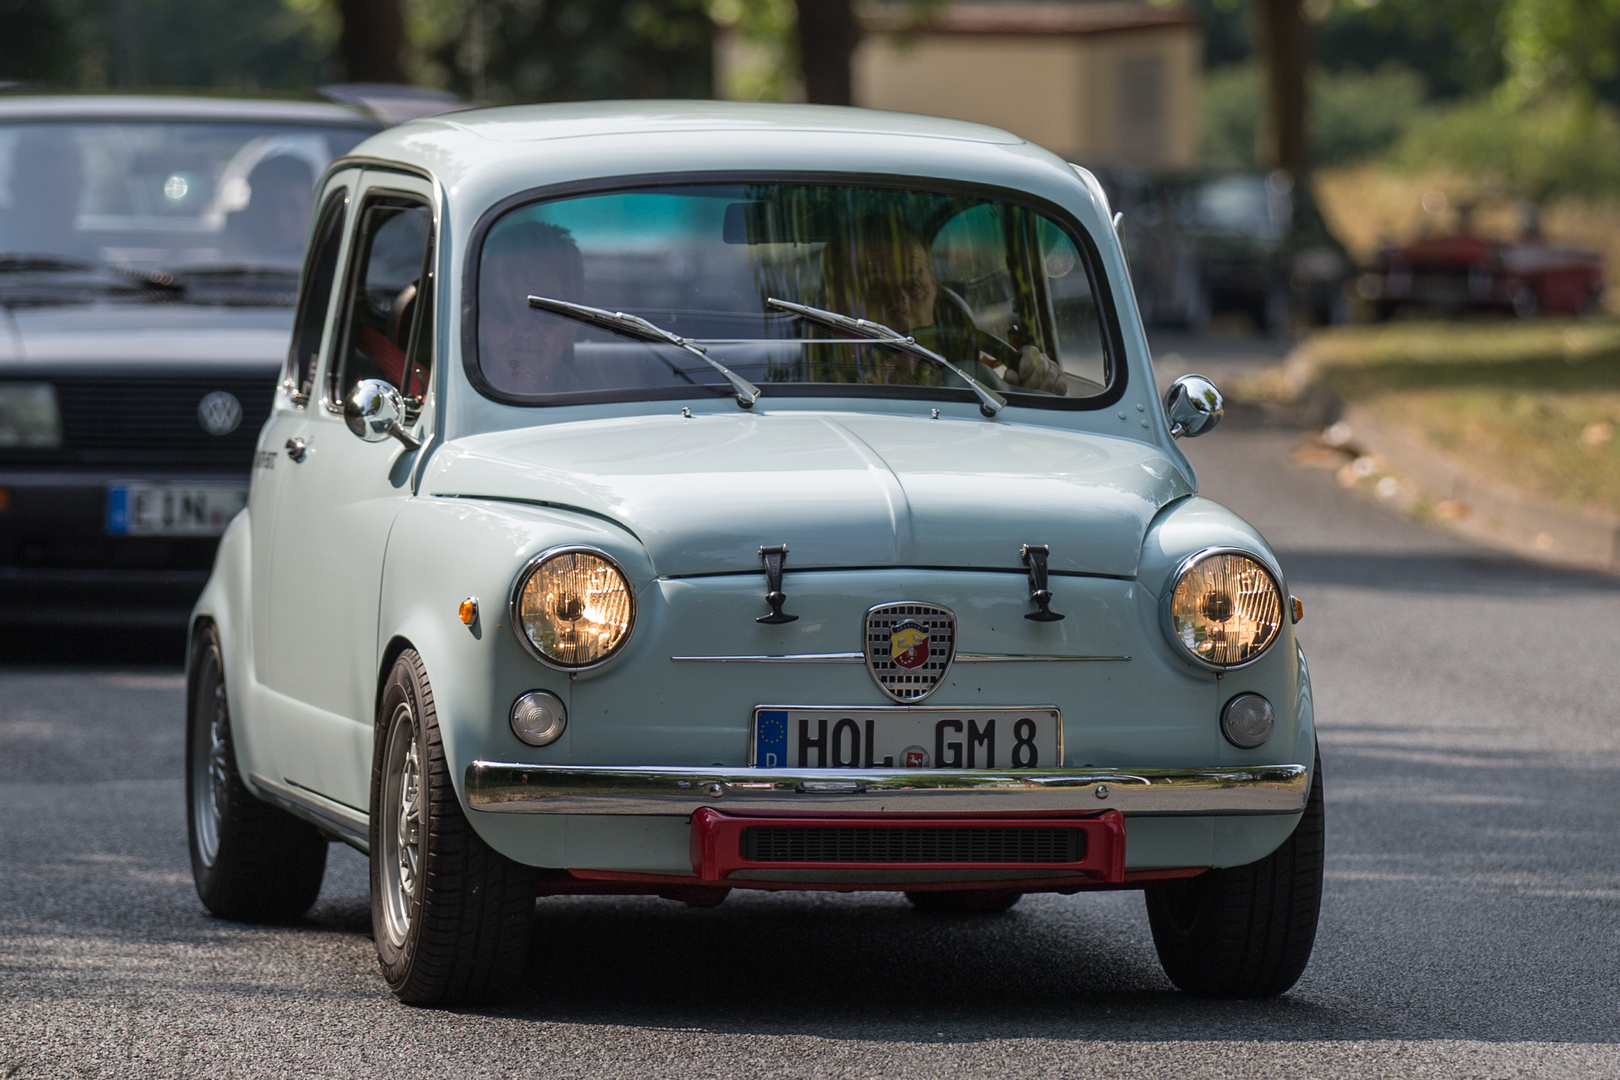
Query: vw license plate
173 509
907 737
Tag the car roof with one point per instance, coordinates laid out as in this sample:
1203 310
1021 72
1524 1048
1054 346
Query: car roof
69 107
483 155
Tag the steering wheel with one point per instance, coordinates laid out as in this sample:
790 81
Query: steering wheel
955 333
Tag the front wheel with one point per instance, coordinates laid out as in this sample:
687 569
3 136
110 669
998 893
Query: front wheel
1244 931
251 861
451 916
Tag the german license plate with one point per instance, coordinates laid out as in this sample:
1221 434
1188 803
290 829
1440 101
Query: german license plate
173 509
907 737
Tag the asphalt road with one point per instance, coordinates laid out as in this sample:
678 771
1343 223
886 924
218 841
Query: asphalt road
1470 725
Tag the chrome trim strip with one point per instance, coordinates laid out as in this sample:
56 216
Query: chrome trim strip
1003 658
344 822
857 658
783 658
515 788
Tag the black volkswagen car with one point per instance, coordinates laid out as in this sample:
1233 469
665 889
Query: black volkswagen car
150 249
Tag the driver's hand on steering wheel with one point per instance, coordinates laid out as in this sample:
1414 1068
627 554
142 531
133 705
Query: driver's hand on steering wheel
1036 371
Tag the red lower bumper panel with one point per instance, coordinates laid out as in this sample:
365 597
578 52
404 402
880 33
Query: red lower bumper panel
1089 848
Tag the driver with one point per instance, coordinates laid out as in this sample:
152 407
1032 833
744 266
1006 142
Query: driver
529 351
882 271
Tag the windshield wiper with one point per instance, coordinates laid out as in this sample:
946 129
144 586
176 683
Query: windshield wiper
639 328
22 262
990 402
235 270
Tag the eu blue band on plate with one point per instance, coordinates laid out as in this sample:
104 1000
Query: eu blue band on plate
118 510
770 739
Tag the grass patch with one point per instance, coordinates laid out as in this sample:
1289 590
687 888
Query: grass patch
1533 403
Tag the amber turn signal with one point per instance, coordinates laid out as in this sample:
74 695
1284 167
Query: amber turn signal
468 612
1299 607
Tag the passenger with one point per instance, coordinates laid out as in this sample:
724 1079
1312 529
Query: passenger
270 229
881 271
532 351
47 184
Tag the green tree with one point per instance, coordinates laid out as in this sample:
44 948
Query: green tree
1559 45
569 50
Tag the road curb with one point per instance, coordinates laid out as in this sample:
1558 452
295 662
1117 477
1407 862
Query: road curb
1482 508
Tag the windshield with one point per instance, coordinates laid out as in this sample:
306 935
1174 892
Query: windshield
1000 290
171 196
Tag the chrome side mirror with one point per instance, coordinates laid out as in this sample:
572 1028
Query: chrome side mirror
1194 406
374 411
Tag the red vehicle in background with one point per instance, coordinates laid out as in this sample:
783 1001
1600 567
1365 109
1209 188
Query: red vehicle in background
1462 272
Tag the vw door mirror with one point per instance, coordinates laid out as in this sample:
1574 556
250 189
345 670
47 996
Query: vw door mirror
1194 406
374 412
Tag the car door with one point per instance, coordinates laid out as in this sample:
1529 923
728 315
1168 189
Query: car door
337 504
283 434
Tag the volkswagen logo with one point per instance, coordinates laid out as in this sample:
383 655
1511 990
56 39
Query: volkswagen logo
219 413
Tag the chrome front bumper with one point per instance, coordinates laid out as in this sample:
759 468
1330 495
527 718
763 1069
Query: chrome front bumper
504 788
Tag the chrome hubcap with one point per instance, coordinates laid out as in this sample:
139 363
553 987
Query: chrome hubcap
401 831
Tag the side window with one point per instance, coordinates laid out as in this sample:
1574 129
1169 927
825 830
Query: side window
320 269
387 329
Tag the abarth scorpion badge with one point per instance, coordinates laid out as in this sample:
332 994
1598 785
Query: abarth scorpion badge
909 648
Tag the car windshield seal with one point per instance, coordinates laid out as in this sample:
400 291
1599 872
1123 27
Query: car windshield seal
633 326
990 402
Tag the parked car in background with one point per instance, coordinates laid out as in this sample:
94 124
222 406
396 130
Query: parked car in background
674 498
1463 272
150 250
1208 242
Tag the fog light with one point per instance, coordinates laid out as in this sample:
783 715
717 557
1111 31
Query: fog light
1246 721
538 717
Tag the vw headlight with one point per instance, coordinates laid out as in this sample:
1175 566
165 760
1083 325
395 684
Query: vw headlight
573 608
1225 609
29 415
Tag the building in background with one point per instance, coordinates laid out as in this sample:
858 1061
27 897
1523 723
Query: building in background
1104 81
1097 81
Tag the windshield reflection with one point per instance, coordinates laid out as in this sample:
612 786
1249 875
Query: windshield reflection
171 196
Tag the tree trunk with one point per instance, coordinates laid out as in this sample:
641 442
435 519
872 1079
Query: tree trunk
372 40
1283 41
827 37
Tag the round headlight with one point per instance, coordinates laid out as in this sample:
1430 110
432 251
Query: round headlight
573 608
1225 609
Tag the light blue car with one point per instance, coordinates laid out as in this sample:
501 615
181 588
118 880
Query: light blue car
677 498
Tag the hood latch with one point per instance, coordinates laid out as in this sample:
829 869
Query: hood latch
773 558
1034 556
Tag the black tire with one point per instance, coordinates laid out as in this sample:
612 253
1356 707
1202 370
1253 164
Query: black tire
251 861
964 901
1244 931
452 917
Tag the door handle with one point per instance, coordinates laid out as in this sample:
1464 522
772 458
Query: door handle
297 449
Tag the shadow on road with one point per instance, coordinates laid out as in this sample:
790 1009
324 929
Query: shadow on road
1500 575
92 646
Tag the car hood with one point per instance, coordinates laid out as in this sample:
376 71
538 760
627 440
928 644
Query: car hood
846 490
168 334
